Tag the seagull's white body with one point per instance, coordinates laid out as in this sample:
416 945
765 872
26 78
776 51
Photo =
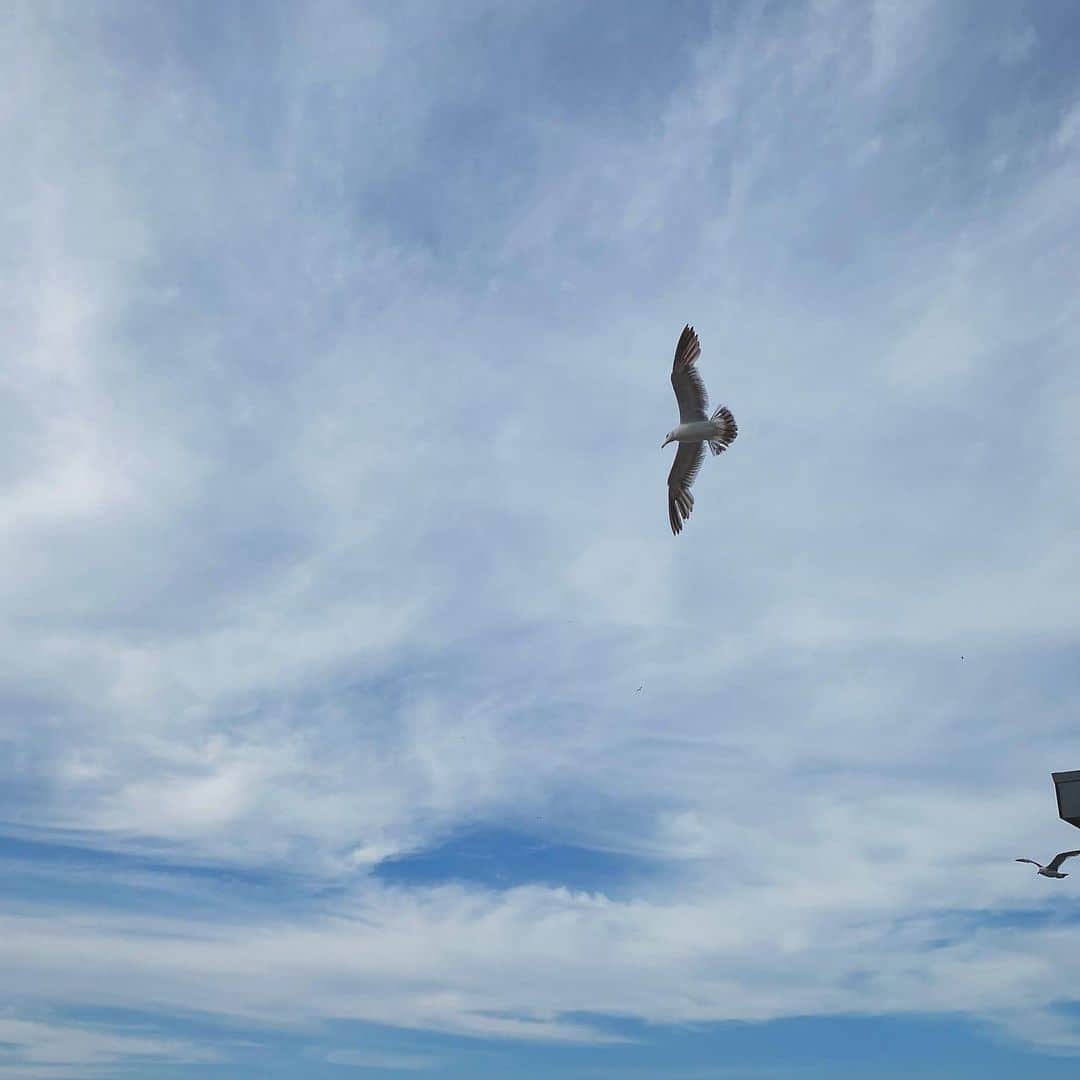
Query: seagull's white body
696 430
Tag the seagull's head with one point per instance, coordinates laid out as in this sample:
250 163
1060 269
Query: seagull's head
670 438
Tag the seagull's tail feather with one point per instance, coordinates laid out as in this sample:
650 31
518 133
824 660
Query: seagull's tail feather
726 430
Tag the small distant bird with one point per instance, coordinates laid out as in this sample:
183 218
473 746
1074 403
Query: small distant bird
1051 870
696 428
640 688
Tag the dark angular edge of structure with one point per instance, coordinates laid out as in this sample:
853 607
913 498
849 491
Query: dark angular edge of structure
1067 789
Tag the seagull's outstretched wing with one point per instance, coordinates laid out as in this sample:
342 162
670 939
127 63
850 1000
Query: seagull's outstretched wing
685 380
1058 859
1032 861
679 500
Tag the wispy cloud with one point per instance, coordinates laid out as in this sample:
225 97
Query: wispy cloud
358 1059
44 1048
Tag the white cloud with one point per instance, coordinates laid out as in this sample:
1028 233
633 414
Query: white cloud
511 964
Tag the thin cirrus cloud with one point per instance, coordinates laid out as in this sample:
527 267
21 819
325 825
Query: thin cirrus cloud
335 355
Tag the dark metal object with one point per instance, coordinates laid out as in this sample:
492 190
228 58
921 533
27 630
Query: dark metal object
1067 785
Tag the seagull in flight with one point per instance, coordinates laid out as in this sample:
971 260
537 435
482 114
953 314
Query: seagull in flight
696 428
1052 869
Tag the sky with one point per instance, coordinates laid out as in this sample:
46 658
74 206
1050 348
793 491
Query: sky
359 713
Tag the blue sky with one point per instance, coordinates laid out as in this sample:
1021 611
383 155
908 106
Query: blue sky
335 355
